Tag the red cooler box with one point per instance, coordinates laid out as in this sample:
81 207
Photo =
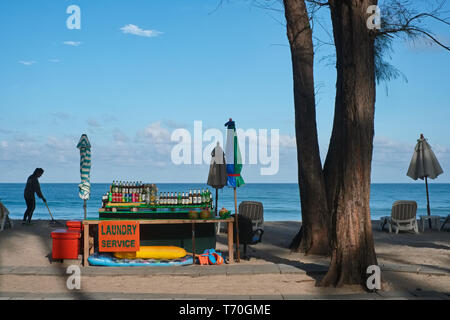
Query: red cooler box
74 225
65 244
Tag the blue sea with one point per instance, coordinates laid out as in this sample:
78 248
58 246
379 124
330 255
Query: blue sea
281 201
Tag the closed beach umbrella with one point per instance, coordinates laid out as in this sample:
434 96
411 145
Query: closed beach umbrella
217 177
234 168
85 170
424 165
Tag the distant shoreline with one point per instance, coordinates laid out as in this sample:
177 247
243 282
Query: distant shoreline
249 183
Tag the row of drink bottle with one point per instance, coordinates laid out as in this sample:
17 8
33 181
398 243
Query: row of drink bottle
137 192
130 187
199 198
124 191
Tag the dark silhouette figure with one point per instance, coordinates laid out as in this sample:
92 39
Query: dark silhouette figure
31 188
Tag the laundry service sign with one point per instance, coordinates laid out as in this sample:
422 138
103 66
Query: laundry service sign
118 236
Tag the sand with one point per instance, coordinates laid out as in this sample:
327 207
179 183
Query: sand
409 262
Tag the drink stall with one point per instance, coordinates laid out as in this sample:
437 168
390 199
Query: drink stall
136 218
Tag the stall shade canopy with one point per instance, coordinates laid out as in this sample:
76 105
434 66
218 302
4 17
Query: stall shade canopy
217 177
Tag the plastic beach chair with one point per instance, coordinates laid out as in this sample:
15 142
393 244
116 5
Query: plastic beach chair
403 217
445 221
251 223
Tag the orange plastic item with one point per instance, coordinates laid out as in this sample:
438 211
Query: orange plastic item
65 244
219 259
203 259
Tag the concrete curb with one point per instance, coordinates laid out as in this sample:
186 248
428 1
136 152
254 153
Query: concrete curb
197 270
144 271
420 269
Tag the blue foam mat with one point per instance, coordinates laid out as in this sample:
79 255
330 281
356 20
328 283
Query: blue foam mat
107 259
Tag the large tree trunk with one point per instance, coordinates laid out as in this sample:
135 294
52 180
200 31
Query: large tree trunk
348 164
314 236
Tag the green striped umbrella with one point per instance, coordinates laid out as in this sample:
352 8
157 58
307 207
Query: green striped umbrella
85 169
234 168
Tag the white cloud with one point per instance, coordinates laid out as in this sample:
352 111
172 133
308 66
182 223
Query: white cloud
120 138
5 131
27 63
287 141
72 43
132 29
27 148
61 115
93 123
156 137
155 133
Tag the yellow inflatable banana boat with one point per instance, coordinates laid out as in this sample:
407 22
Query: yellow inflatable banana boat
153 252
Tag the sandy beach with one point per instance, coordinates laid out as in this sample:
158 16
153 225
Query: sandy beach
411 264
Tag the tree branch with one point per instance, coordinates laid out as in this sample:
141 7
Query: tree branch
400 18
319 3
408 30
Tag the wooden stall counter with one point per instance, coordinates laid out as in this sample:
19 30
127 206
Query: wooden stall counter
88 240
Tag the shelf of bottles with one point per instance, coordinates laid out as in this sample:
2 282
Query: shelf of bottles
138 196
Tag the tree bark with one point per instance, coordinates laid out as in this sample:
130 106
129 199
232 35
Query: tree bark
347 167
314 236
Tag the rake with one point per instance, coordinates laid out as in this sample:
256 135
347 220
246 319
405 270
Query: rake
53 222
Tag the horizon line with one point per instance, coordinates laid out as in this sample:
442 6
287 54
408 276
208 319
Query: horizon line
201 182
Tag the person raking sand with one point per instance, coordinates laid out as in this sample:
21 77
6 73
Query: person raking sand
31 188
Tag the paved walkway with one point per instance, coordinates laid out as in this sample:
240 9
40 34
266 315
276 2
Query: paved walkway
59 269
391 295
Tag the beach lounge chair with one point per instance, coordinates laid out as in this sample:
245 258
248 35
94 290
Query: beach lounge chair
403 217
4 217
445 221
251 223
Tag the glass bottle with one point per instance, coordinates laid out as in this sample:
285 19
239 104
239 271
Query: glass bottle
194 198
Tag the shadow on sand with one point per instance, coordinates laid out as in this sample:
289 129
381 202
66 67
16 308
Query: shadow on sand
40 229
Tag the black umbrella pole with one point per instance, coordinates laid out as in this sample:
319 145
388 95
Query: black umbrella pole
217 196
428 202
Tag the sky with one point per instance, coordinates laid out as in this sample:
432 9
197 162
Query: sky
137 71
